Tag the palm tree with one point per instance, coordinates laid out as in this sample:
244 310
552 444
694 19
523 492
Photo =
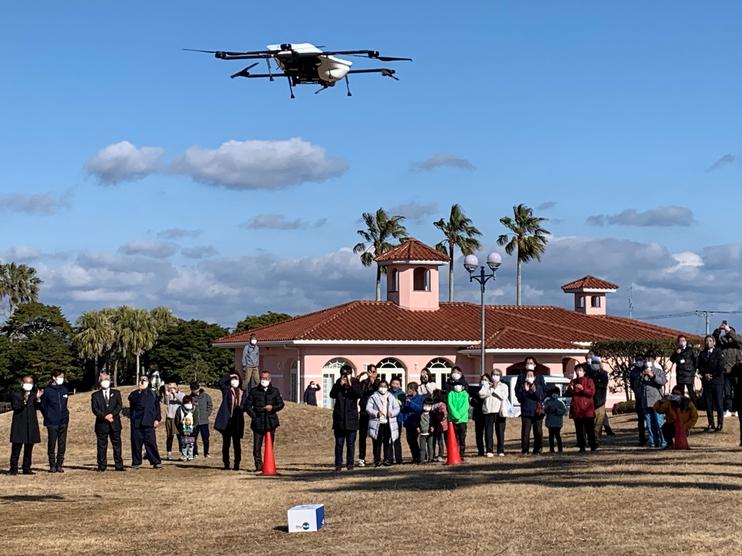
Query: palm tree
94 336
136 333
380 228
163 318
529 240
459 231
20 284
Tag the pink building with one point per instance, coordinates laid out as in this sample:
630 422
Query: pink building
413 329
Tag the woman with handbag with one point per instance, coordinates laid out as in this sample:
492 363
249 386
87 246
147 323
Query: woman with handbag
529 389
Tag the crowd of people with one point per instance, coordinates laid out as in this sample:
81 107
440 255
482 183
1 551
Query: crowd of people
368 406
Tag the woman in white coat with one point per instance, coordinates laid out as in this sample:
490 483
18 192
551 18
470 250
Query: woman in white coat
492 393
382 409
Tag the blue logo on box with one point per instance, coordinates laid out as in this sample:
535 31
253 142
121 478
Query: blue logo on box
305 526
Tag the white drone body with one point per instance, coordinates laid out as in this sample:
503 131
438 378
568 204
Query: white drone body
331 68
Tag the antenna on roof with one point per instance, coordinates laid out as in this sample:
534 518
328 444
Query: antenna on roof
631 301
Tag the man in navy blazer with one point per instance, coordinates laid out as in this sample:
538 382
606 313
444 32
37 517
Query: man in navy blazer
144 408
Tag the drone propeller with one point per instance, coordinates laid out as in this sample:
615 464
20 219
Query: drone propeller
244 72
389 73
374 54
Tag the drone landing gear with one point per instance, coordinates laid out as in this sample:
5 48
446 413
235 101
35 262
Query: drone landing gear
347 86
291 87
270 70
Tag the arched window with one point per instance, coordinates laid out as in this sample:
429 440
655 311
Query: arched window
421 279
393 280
439 368
390 368
330 375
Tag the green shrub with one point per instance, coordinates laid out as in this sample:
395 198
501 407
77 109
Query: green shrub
624 407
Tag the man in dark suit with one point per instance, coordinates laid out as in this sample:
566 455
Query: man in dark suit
106 404
145 417
262 404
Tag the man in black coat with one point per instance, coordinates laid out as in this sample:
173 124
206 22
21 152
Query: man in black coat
346 392
310 394
106 404
56 420
685 359
369 383
145 417
711 369
24 428
262 405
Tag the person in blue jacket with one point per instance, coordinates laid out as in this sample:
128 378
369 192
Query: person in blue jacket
530 391
56 420
410 418
144 407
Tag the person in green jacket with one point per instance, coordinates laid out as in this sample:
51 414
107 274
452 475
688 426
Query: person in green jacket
458 413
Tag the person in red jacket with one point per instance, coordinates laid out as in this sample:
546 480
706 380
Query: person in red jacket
582 409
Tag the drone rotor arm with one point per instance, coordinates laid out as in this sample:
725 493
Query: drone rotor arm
385 72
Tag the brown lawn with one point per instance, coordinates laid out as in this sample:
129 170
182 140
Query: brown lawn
621 500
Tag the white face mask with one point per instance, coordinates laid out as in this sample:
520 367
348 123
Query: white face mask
495 378
459 387
580 374
145 384
648 365
27 387
59 380
105 384
265 383
530 367
595 366
188 406
383 390
456 376
234 382
253 341
427 407
683 345
530 380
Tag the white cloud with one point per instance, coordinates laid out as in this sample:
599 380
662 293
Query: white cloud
259 164
123 161
414 211
199 251
280 222
149 248
178 233
442 160
660 216
35 203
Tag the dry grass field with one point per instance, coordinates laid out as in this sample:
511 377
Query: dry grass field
621 500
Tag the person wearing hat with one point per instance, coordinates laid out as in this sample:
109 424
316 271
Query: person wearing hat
106 404
145 415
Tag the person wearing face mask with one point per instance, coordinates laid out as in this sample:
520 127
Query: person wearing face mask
555 411
600 378
185 423
396 391
427 384
230 418
439 420
369 383
425 432
411 411
144 410
262 405
24 427
456 377
730 345
492 393
685 359
635 376
106 404
676 407
457 402
310 394
204 406
382 409
530 391
582 409
346 392
56 420
477 413
711 369
652 381
250 364
172 399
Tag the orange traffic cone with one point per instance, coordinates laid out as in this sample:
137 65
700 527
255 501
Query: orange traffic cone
452 447
269 459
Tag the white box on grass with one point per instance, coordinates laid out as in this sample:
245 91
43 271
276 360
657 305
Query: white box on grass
307 517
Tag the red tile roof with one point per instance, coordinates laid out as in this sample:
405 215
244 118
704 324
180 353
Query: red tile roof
412 249
589 283
509 327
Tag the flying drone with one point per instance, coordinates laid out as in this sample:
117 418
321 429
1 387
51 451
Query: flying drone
304 64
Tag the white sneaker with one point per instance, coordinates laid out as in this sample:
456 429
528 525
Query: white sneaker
490 455
169 456
727 414
501 455
361 463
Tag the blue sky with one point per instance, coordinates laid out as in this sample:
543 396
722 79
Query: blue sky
600 108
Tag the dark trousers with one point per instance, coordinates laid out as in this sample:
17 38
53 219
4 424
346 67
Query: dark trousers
347 440
555 434
713 395
460 430
439 445
691 391
102 446
15 453
362 434
231 435
728 392
257 446
414 444
171 433
479 431
641 426
668 433
426 442
144 436
494 426
397 444
536 424
202 430
383 440
585 427
56 445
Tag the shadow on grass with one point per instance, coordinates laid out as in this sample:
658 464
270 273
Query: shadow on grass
32 498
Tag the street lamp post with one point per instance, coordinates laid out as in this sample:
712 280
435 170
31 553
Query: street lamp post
494 260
